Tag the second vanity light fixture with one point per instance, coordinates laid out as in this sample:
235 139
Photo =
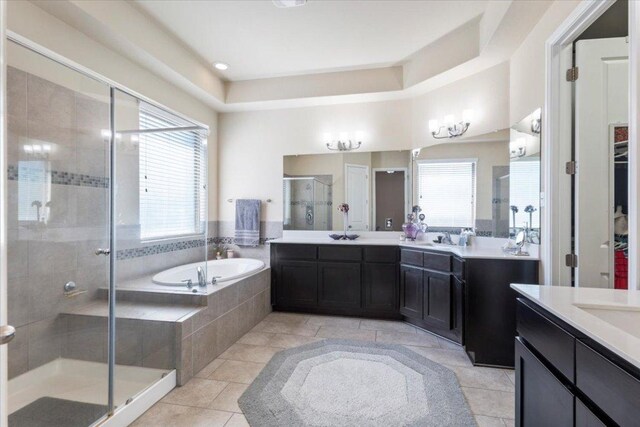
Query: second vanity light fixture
344 142
453 129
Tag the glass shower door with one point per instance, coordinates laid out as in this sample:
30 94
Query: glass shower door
58 124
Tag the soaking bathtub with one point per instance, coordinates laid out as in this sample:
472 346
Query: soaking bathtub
221 270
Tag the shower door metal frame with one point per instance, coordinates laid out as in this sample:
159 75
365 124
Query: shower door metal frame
113 86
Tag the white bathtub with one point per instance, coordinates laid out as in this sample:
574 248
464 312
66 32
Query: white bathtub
222 270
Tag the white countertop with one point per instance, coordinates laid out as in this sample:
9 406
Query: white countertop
612 319
481 247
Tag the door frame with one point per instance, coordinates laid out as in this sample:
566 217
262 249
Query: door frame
4 365
346 189
556 226
407 203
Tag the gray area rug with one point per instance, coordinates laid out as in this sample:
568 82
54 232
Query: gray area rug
53 412
354 383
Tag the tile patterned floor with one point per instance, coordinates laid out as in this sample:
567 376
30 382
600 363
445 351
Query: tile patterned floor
210 398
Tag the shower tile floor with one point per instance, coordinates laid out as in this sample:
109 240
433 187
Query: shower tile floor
210 398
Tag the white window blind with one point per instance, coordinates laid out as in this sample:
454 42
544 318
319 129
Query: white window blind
172 177
524 190
446 191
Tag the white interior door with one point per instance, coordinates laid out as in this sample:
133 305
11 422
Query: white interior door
357 196
601 99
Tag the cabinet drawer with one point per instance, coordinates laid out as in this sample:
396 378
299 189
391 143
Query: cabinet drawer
339 253
381 254
615 391
549 339
457 267
295 251
437 261
411 257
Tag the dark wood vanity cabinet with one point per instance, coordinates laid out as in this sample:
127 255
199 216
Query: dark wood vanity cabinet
411 292
332 279
564 378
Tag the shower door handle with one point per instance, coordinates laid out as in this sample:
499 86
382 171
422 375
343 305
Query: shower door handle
7 333
101 251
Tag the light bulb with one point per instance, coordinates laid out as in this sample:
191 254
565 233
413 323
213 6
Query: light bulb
449 120
467 116
343 137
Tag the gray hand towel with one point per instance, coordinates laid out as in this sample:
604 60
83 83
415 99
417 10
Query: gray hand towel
247 222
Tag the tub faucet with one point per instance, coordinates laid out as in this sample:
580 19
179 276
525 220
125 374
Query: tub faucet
202 278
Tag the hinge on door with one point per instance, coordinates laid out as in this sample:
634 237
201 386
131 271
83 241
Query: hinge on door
571 260
572 74
571 167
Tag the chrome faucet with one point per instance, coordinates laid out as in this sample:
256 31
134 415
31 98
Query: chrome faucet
446 240
202 278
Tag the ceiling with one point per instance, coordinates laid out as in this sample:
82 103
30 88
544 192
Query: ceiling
259 40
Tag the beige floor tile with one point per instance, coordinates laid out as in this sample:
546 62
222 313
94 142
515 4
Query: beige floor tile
386 325
346 333
290 318
208 370
250 353
167 415
446 344
228 399
509 422
342 322
285 328
484 421
256 338
290 341
491 403
237 420
449 358
487 378
237 371
404 338
197 392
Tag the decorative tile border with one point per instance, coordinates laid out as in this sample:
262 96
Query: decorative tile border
161 248
63 178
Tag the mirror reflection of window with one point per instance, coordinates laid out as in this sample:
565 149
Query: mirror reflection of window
34 191
525 193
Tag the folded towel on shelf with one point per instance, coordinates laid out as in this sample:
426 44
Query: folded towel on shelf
247 222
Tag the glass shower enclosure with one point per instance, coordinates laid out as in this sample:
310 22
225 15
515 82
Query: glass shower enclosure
307 203
75 231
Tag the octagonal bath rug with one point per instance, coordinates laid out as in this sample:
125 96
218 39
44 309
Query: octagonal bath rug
354 383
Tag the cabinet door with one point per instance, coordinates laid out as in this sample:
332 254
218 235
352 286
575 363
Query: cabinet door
381 288
586 418
339 285
437 299
411 292
541 399
458 309
297 284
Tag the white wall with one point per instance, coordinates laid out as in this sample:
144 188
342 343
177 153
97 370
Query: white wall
527 64
29 21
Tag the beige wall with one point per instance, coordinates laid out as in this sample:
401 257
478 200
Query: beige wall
252 144
527 65
488 154
31 22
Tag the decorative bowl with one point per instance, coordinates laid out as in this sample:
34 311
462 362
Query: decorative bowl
337 236
352 236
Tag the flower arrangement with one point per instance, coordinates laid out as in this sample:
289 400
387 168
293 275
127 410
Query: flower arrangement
343 207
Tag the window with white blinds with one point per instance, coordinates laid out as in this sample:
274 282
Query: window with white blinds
447 191
524 190
172 177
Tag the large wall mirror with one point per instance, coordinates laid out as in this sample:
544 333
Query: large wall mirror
457 184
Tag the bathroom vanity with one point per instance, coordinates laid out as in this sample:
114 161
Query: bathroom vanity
461 294
577 356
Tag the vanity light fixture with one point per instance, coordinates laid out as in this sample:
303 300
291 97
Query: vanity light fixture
517 148
289 3
453 129
415 153
344 142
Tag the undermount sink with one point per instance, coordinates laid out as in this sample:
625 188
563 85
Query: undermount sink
626 318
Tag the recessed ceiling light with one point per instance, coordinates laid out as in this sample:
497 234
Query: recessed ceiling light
220 66
289 3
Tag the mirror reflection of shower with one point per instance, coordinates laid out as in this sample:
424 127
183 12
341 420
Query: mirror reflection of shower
307 202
